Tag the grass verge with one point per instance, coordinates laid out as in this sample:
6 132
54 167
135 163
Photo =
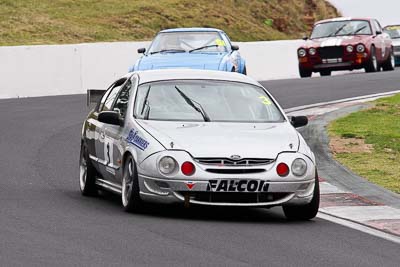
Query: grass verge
368 142
74 21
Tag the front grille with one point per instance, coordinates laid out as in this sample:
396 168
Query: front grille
234 197
231 162
330 52
235 171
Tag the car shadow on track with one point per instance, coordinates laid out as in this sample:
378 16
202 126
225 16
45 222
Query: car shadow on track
204 213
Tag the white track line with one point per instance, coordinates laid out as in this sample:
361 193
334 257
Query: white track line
358 98
360 227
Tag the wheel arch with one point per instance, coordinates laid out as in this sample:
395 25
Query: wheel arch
126 154
370 49
242 65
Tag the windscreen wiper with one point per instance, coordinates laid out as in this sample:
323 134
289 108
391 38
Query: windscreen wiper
203 47
145 101
360 29
146 115
191 103
338 30
169 51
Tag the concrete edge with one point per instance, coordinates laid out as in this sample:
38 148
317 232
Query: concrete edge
359 226
335 173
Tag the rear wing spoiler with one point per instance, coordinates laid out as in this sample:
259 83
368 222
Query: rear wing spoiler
93 96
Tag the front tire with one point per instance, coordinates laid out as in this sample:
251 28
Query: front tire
131 200
372 65
87 174
390 62
305 212
304 73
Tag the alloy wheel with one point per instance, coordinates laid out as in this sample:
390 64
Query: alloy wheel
127 184
375 63
82 172
392 60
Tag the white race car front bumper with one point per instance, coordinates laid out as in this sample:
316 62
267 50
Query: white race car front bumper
178 191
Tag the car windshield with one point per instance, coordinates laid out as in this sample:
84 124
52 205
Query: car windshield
341 28
175 42
205 100
393 31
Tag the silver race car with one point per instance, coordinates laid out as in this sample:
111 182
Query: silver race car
197 137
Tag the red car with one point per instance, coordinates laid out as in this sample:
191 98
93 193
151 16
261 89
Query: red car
346 44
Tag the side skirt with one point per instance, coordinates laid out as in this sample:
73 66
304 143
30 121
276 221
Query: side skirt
109 186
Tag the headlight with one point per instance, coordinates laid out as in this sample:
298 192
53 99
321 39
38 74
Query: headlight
302 52
312 51
360 48
350 48
167 165
299 167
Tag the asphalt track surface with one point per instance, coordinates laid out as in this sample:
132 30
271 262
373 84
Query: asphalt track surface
298 92
45 221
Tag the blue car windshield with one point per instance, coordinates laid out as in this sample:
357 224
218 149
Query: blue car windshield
196 42
205 100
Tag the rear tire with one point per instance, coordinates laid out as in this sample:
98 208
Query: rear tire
87 174
372 65
390 63
304 212
304 73
131 200
325 73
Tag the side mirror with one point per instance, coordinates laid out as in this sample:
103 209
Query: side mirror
299 121
141 50
110 117
305 38
378 32
234 47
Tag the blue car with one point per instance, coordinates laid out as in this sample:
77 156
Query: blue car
194 48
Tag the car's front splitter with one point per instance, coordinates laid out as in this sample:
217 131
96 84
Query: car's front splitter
206 193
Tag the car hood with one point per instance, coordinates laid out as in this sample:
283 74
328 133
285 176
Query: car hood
213 139
196 60
337 41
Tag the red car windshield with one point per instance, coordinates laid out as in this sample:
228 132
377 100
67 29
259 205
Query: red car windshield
341 28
